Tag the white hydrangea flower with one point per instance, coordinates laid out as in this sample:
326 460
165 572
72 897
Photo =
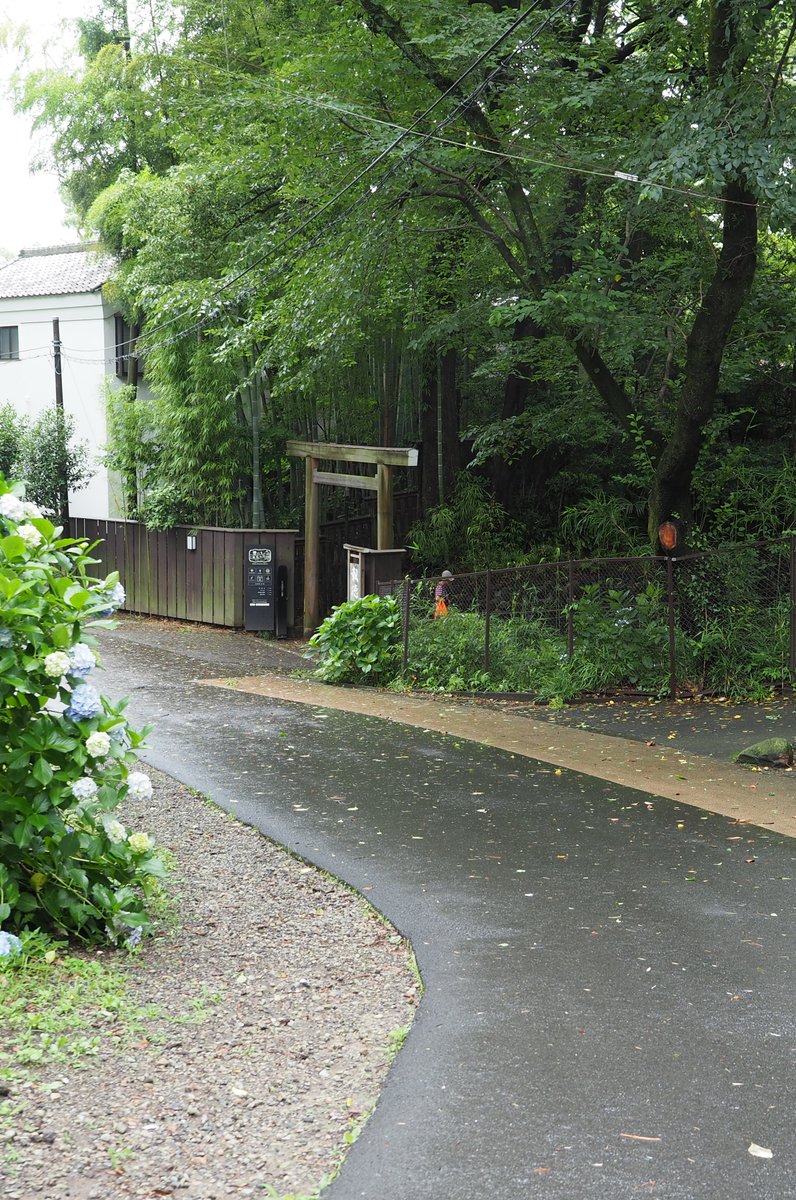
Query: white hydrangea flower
84 789
139 785
98 744
140 842
56 664
31 510
30 536
115 830
11 507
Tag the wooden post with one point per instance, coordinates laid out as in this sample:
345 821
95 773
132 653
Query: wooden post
384 531
312 545
792 647
672 641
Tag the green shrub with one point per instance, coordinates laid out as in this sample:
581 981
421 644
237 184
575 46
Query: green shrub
448 655
66 753
622 640
524 656
746 654
360 641
470 532
529 656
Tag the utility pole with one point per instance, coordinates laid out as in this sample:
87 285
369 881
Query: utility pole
63 486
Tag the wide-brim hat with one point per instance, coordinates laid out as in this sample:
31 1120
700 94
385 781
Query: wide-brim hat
447 575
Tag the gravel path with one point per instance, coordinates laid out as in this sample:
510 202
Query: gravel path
266 1004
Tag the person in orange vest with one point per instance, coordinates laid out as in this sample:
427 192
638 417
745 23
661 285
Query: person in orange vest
442 595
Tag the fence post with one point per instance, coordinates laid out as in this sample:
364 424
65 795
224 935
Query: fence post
405 607
486 622
570 613
672 650
792 647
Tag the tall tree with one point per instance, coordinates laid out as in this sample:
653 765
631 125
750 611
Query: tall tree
385 220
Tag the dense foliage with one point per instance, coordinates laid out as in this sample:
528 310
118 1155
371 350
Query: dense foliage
44 452
66 752
552 242
620 643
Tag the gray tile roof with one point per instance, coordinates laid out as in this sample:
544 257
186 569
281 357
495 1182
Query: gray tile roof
55 271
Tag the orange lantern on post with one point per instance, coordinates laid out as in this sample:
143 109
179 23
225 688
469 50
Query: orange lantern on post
668 536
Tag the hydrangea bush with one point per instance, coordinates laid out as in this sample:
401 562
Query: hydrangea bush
359 642
67 863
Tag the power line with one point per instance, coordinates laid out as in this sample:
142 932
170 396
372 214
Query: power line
616 175
403 134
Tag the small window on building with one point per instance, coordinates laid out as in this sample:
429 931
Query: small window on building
9 342
122 346
125 342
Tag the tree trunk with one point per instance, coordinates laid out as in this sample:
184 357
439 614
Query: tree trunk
429 491
448 417
671 490
440 457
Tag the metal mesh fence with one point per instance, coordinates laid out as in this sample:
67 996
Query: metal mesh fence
721 622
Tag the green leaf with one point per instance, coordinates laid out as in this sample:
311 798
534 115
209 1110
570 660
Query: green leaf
42 771
13 547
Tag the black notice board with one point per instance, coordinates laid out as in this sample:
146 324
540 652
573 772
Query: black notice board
259 567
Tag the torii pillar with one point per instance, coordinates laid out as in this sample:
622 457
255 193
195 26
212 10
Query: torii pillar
384 458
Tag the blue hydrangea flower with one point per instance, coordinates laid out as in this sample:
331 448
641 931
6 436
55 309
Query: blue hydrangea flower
85 703
83 660
6 637
9 944
114 598
134 938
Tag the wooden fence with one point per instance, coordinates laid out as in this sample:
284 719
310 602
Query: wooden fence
163 577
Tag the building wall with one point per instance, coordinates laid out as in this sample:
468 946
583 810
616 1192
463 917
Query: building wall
88 355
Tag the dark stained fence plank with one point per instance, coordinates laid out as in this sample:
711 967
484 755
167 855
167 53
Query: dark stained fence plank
164 576
233 576
215 579
205 581
173 603
195 575
141 568
183 564
155 586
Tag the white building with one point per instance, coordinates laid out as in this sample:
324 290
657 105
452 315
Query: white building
64 282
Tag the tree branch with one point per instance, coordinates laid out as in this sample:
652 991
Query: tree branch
467 183
769 105
503 248
603 380
380 21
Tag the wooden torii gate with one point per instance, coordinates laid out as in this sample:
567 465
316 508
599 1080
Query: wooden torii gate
384 458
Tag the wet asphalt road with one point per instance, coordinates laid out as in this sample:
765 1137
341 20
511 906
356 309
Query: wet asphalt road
609 981
717 729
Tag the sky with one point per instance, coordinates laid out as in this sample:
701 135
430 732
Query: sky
31 212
